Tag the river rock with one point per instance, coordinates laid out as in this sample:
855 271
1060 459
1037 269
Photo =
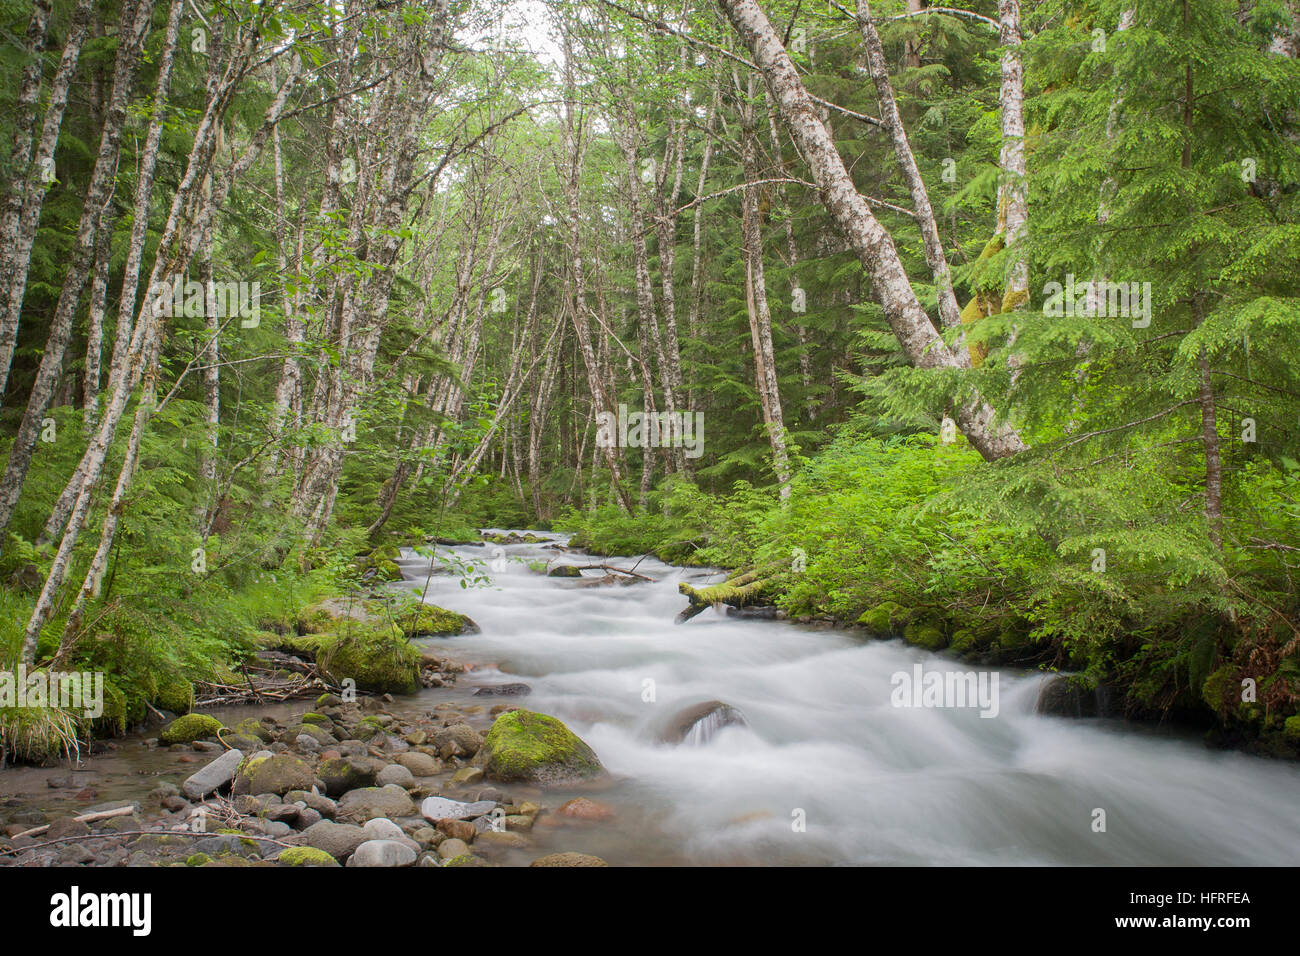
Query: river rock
214 776
452 848
342 774
458 740
336 839
458 829
466 776
276 774
440 808
66 827
582 810
568 859
1062 697
501 840
420 765
396 774
504 690
537 748
711 716
382 853
191 727
370 802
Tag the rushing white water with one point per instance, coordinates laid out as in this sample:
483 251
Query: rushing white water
876 783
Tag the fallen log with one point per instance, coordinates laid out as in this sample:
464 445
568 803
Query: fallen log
740 591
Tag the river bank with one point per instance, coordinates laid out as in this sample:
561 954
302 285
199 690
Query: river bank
824 766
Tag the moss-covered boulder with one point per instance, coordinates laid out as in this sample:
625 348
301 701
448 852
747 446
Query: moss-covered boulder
191 727
537 748
306 856
925 634
341 774
1291 729
377 659
276 774
174 693
885 619
253 727
429 620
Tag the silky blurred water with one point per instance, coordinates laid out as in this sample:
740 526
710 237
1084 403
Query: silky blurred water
872 783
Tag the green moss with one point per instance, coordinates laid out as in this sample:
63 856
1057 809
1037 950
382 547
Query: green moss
925 634
113 720
276 774
306 856
523 745
174 693
191 727
313 718
884 619
197 859
428 620
253 727
375 658
464 859
1291 729
963 641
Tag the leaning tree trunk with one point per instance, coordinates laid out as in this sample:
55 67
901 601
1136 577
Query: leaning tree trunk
890 286
22 211
119 366
949 313
99 192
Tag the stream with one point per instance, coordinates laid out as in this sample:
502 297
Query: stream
873 783
825 769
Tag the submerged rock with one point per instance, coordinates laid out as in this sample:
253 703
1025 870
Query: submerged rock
537 748
1063 697
699 723
568 859
504 690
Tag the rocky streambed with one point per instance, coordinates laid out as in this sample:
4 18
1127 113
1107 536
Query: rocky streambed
373 782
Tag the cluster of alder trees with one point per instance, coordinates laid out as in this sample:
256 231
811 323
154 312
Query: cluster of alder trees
467 249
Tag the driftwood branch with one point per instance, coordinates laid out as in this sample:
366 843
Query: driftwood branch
740 591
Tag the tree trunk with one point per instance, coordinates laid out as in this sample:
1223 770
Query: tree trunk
760 316
22 210
949 313
98 194
890 286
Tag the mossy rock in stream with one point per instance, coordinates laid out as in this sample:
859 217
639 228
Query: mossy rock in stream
1291 729
925 634
377 659
305 856
276 774
885 619
429 620
537 748
191 727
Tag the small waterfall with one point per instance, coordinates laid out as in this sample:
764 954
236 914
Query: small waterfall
707 727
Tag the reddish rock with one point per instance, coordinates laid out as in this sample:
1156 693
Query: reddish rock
457 829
